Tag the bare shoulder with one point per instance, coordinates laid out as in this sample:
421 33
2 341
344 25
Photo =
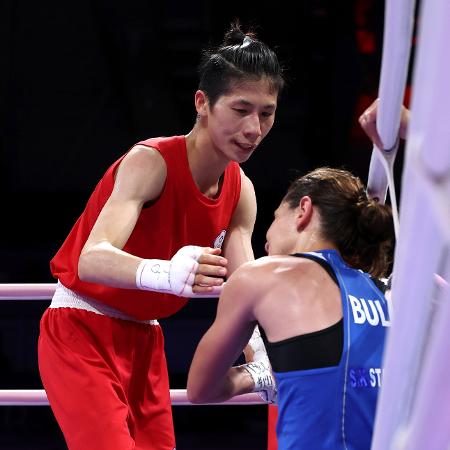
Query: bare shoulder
258 274
142 173
257 283
277 262
292 266
247 200
144 158
246 183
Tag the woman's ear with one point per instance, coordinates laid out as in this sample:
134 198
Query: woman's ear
201 102
305 211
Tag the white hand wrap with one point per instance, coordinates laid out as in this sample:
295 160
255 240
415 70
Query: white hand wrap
176 276
257 345
260 369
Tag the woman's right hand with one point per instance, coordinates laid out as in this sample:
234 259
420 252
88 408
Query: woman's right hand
368 122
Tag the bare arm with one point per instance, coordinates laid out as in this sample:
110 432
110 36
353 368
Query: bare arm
211 377
140 178
238 243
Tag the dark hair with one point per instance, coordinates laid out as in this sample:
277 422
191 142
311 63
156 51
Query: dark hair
361 228
241 56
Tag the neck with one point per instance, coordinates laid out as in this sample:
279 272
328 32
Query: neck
207 165
311 241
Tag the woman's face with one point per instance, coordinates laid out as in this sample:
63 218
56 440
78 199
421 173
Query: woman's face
240 119
282 235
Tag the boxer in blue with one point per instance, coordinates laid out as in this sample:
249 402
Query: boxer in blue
321 316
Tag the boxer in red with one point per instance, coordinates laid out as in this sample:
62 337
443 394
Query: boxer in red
150 236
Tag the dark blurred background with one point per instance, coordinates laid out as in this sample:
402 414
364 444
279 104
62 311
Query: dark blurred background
82 81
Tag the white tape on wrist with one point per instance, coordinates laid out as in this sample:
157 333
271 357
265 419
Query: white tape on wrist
260 369
175 276
262 377
153 275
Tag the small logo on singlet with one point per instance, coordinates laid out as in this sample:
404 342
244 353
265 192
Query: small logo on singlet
363 377
219 239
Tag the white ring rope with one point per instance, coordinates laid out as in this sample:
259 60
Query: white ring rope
27 291
399 20
37 397
42 291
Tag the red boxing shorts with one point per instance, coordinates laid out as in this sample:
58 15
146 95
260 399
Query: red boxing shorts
106 380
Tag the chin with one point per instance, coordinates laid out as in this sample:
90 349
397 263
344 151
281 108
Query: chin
239 155
243 159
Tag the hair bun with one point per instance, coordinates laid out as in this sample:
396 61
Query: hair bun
235 35
374 221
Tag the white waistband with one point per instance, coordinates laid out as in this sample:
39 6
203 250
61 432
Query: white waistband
66 298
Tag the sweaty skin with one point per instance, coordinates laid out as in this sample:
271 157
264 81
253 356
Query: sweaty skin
301 293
